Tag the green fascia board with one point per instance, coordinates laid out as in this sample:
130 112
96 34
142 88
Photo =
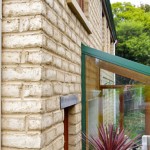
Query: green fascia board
113 59
110 19
109 10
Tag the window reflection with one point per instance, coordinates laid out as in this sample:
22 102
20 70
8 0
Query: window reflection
112 100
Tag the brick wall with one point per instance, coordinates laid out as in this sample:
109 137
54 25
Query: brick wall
41 60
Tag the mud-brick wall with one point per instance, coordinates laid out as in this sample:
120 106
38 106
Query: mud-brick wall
41 61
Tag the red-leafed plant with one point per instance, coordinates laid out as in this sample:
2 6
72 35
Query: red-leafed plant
109 138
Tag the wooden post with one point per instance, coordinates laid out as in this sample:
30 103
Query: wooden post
101 108
121 108
147 110
66 129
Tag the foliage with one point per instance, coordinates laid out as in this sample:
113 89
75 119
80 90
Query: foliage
133 31
135 122
109 138
134 113
145 7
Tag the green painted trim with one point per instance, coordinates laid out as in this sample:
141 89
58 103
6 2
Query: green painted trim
119 61
83 83
109 16
108 6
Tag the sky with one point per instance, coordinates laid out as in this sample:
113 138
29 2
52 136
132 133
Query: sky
134 2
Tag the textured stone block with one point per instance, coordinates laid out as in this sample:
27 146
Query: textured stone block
50 3
51 45
78 146
77 69
74 139
49 74
49 30
73 36
35 23
10 107
60 76
57 8
10 25
73 78
52 104
57 35
34 122
57 62
71 88
71 68
68 78
20 73
50 135
52 16
72 24
58 116
34 57
65 89
32 90
61 25
11 57
47 120
20 140
75 109
11 90
48 147
61 50
23 9
75 119
65 16
24 25
78 88
57 88
68 55
21 41
59 142
14 123
78 79
74 129
65 41
62 2
46 58
59 129
72 44
47 89
65 65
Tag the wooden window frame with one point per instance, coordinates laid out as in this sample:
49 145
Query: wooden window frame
78 12
81 4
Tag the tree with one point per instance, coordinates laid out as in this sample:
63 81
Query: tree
145 7
134 43
133 31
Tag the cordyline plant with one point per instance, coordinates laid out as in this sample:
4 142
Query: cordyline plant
109 138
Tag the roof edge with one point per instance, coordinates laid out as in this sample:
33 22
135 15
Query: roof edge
109 16
119 61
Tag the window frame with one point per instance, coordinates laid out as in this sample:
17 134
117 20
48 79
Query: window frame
78 12
81 4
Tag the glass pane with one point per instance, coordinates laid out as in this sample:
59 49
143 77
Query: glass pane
114 99
92 94
108 97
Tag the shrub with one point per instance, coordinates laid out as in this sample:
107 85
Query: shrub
109 138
